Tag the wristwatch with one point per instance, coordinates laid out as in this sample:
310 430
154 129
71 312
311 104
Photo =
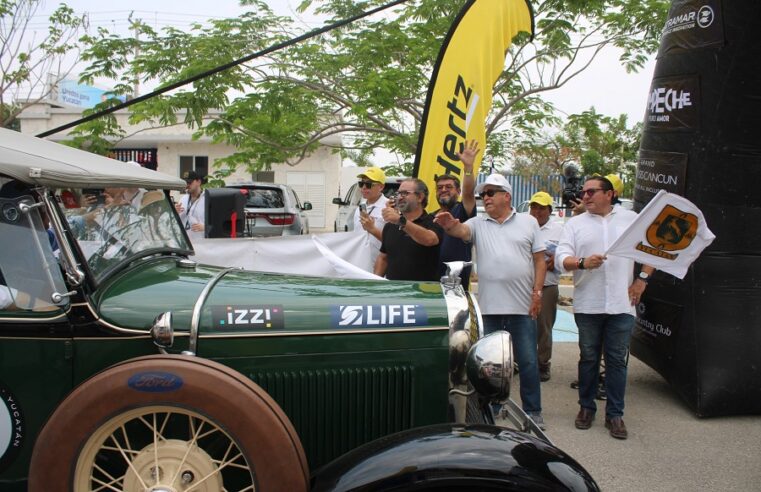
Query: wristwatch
644 276
402 221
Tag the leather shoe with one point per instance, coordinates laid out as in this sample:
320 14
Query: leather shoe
584 418
544 373
617 427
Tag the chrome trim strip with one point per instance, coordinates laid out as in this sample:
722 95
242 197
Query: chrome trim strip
34 320
195 320
74 273
206 335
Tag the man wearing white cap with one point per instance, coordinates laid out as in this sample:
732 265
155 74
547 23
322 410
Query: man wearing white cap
511 269
369 217
540 207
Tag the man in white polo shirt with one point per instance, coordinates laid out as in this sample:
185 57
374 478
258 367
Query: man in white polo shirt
511 268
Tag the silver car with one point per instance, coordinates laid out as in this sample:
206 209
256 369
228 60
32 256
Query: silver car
273 210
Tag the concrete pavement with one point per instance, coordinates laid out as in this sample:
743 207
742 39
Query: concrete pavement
669 449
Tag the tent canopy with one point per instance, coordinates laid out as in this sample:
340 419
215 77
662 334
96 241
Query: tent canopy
39 162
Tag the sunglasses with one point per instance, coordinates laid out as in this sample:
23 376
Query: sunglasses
366 184
490 193
590 192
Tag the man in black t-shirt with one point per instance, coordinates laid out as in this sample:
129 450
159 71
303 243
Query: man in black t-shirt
448 196
410 240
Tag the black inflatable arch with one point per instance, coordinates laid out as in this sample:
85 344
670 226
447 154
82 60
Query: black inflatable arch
702 140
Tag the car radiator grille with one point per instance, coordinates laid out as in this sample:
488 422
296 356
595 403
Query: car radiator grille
336 410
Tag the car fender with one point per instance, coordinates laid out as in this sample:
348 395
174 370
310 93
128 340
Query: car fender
451 455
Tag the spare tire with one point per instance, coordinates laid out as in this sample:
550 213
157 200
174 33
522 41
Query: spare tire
172 422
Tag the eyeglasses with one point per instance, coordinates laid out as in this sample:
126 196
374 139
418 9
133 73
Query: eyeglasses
366 184
405 194
490 193
590 192
445 187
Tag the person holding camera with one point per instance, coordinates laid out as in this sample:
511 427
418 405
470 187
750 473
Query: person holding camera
192 206
511 269
605 294
410 240
369 213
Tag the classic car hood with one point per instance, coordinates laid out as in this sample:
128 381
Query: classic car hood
245 301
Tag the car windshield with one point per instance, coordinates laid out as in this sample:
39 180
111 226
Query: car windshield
29 271
114 225
264 197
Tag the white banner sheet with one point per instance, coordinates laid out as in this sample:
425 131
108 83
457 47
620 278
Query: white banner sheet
332 255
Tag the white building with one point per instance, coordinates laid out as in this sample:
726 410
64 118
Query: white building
172 151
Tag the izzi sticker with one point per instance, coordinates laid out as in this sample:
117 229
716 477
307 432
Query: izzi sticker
12 429
155 382
377 315
235 318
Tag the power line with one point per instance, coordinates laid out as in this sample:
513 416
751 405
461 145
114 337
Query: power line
221 68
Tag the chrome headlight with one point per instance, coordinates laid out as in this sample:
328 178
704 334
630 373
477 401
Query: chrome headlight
490 365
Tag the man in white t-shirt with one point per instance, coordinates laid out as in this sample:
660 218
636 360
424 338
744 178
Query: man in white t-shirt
192 206
368 215
540 207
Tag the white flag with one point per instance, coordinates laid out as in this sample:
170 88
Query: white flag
669 234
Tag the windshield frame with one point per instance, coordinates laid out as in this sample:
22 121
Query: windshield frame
95 275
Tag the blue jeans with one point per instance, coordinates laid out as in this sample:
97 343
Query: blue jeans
522 330
608 333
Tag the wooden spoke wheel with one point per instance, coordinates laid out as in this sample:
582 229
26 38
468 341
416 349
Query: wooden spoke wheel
168 423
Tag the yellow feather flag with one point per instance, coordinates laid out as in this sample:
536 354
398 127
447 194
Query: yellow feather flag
460 93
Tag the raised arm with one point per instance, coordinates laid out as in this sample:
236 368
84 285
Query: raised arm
468 157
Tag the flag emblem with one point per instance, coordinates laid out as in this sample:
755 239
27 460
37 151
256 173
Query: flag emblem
672 230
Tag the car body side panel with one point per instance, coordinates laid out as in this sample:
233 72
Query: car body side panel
35 375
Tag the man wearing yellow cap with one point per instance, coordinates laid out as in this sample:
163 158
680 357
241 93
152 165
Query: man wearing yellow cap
618 190
540 207
371 183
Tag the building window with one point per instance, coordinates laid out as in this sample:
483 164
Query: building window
144 157
197 163
264 176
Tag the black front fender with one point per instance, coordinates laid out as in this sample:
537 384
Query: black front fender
470 457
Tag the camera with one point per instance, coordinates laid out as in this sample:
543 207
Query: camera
97 193
573 184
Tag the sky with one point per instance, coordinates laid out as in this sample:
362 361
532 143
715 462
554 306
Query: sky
604 85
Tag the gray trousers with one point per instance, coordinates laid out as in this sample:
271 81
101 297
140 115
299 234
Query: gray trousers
544 324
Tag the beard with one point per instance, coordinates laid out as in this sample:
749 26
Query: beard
405 207
447 203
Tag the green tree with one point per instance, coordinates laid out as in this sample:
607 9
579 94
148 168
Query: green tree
596 143
366 82
33 62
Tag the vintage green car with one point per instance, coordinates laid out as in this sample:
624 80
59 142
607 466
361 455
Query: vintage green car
125 365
